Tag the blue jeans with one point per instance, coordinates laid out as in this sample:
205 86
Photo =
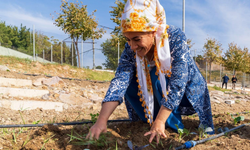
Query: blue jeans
132 97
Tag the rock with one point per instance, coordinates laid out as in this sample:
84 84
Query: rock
239 96
54 81
228 92
46 96
72 99
38 82
85 93
229 102
95 98
214 100
236 92
217 92
4 68
96 107
6 97
217 98
74 71
243 92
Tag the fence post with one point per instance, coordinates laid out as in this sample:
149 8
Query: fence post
51 54
206 71
43 55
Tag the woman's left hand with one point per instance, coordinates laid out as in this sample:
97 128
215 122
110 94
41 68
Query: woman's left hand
157 130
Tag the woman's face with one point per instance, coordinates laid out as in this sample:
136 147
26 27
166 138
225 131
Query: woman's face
141 42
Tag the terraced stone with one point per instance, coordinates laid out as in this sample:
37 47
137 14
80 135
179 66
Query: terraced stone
19 92
15 82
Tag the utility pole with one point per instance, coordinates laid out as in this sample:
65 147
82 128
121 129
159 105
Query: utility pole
51 59
61 53
72 53
82 51
93 53
220 72
34 51
183 16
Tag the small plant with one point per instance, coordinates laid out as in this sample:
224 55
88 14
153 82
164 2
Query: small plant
181 132
27 140
46 141
94 117
36 122
203 131
237 101
237 119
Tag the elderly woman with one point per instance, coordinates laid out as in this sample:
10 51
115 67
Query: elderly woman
156 75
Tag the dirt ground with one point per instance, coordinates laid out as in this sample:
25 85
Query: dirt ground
73 137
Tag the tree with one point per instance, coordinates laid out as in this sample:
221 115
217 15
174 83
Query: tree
189 43
110 46
98 67
212 53
235 58
75 21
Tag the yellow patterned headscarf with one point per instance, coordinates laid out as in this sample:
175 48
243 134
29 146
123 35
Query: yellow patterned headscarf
146 16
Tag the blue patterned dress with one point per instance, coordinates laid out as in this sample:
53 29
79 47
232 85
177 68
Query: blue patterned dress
185 81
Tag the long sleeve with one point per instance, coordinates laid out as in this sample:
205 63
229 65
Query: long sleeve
179 78
123 76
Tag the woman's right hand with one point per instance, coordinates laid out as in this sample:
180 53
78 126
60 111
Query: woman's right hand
96 130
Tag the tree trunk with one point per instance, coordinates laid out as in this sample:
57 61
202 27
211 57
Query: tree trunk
78 54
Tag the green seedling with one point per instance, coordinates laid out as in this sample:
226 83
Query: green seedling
46 141
181 132
203 131
238 119
94 117
27 140
36 122
15 135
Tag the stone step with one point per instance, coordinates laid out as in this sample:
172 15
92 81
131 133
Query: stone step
15 82
29 105
19 92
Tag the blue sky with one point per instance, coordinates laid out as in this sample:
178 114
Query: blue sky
225 20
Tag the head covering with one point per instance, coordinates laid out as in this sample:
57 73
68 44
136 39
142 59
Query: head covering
146 16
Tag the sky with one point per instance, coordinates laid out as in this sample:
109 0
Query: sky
224 20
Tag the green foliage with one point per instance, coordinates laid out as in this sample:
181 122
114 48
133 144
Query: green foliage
237 58
21 39
94 117
98 67
182 132
212 53
75 21
110 46
237 119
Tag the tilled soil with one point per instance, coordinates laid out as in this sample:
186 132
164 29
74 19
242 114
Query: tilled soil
73 137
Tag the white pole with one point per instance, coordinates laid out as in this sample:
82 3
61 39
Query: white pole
72 53
34 50
183 16
82 52
61 53
51 54
220 72
93 53
206 71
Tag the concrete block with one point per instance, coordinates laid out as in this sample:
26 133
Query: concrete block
18 92
29 105
14 82
229 102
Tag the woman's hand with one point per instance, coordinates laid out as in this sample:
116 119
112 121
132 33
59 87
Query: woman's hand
158 126
157 130
96 130
101 124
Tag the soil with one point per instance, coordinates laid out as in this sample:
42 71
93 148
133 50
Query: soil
73 137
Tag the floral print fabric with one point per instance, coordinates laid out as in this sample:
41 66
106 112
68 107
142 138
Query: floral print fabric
186 78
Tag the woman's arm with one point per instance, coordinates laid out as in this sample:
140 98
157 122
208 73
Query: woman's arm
101 123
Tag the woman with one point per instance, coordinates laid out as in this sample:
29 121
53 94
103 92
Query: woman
156 75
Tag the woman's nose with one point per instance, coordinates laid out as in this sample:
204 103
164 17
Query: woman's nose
133 45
